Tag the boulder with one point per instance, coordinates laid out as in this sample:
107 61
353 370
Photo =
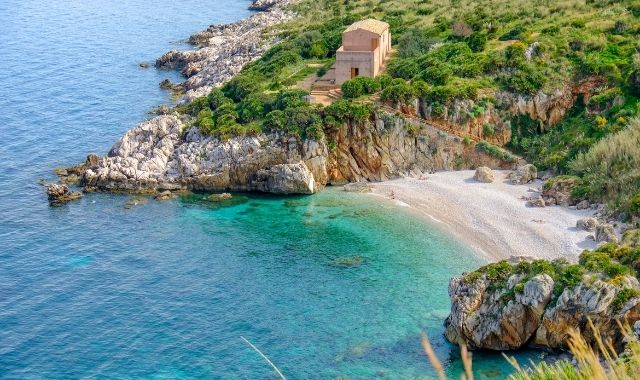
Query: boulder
524 174
583 205
606 233
558 190
60 194
484 174
536 202
284 179
587 224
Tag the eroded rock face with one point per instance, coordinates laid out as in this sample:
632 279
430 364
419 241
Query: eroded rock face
484 316
481 318
161 154
484 174
593 301
284 179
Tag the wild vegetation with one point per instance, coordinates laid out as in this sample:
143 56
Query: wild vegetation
452 50
601 362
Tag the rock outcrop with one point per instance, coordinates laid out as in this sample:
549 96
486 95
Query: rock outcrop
223 50
522 310
481 318
164 154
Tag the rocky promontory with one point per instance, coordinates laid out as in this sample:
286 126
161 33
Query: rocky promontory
508 305
223 50
165 153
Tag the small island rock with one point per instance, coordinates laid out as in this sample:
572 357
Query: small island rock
60 194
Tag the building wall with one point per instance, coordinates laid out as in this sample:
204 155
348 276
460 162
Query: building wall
366 62
356 52
358 40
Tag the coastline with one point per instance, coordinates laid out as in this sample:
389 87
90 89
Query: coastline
492 218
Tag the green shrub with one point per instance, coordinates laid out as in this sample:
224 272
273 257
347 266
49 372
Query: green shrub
398 94
477 42
496 152
622 297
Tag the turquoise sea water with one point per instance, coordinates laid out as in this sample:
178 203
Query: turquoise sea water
330 285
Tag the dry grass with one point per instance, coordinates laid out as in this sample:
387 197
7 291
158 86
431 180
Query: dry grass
590 363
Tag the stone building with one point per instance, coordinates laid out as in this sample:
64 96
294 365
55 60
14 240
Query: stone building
365 48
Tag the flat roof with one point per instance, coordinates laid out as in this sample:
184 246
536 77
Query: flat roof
370 25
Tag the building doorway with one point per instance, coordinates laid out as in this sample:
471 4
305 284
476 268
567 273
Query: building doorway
355 72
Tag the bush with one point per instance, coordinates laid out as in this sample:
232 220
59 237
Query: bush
352 89
496 152
398 94
612 167
360 86
477 42
437 74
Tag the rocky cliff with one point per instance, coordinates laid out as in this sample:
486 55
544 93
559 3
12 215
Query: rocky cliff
504 307
491 118
165 154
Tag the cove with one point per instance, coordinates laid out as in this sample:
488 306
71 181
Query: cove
330 285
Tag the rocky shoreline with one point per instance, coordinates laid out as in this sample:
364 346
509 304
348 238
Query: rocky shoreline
223 50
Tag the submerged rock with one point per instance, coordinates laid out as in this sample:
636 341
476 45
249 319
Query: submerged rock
60 194
484 174
164 196
358 187
219 197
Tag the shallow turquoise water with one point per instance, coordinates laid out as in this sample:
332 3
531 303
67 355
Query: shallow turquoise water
165 290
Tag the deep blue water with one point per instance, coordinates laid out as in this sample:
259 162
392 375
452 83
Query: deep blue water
165 290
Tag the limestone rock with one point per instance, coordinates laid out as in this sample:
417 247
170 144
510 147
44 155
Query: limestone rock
60 194
593 300
285 179
524 174
484 174
587 224
521 312
558 191
483 319
606 233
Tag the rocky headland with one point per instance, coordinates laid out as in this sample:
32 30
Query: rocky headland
524 302
223 50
